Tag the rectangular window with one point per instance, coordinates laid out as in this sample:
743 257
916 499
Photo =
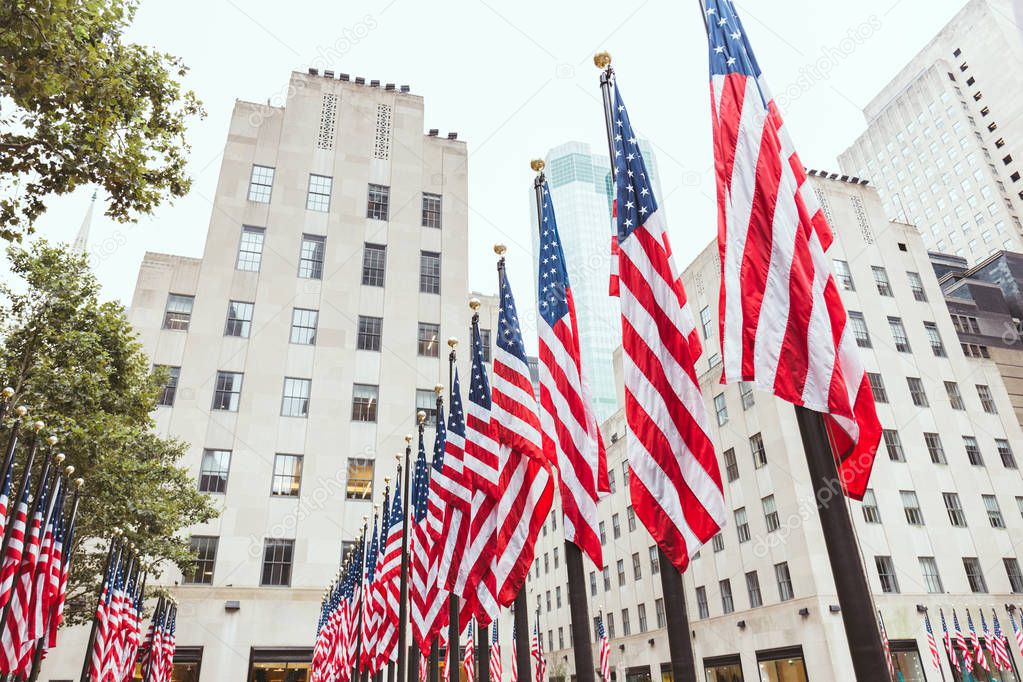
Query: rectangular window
250 249
364 402
426 401
932 579
784 578
987 401
742 525
261 183
718 542
731 466
701 602
1005 452
871 514
378 202
893 444
630 517
956 516
239 319
916 285
429 339
485 342
602 528
607 578
756 444
204 551
770 513
886 574
593 583
374 263
899 335
178 313
287 479
429 272
637 567
278 555
974 575
994 512
303 326
746 394
318 196
753 589
911 506
295 397
626 627
844 275
706 322
721 409
431 210
916 391
621 572
934 337
934 448
310 258
884 287
877 387
859 327
973 451
169 390
659 610
214 470
227 391
359 485
1013 572
727 604
655 560
370 331
616 526
955 398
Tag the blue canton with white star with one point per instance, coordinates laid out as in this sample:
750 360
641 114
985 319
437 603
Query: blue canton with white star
552 277
479 384
370 563
635 196
730 51
420 484
438 442
509 336
456 420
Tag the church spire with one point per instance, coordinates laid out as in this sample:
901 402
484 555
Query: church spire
81 243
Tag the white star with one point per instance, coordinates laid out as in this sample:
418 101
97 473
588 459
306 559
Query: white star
735 35
628 222
644 192
642 210
722 21
730 61
719 49
629 204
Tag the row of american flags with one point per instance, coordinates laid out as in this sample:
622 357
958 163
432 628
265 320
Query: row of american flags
977 647
477 505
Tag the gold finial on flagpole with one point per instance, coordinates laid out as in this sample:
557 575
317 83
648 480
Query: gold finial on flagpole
602 60
452 342
474 303
420 418
537 165
500 249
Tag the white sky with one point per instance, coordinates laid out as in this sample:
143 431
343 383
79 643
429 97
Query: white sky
514 79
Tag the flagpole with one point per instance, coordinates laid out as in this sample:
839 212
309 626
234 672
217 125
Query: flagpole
114 550
453 606
403 598
521 615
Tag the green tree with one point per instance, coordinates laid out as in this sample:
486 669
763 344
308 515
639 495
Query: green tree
82 107
76 363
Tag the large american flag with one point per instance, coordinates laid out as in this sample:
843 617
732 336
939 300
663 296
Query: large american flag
1001 651
978 648
16 545
450 483
387 632
368 624
675 483
772 238
605 649
961 643
571 437
420 549
436 612
1017 632
931 644
946 638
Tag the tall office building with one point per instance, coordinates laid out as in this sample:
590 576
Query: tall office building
580 183
944 138
939 527
300 346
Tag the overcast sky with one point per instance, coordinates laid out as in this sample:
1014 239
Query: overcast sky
514 79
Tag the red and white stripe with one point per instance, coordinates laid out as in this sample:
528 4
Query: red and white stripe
469 657
496 669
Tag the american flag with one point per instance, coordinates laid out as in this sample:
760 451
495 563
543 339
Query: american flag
469 658
66 541
1017 632
536 649
931 644
16 544
436 595
961 643
772 239
978 648
496 671
5 494
514 668
378 594
605 649
674 483
420 549
387 634
1001 651
947 639
571 437
887 647
453 489
368 625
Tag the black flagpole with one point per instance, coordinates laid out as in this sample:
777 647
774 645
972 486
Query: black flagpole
454 612
577 603
403 598
521 615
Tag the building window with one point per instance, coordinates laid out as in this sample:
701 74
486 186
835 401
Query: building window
955 398
637 567
616 526
884 287
746 394
239 319
318 197
261 183
662 620
714 360
731 466
607 578
1005 452
227 391
844 275
557 597
886 574
428 339
770 513
934 448
485 342
955 510
994 512
426 401
295 399
932 579
303 326
784 578
169 390
718 543
753 589
378 203
973 451
742 525
359 479
893 444
899 335
721 409
916 391
877 388
593 583
278 555
621 572
370 331
1015 577
310 258
204 551
374 262
214 470
973 350
727 604
626 627
630 518
911 506
701 602
364 403
937 347
429 272
916 285
871 514
987 401
756 444
706 322
859 327
287 479
178 313
655 560
431 210
250 249
974 575
602 527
